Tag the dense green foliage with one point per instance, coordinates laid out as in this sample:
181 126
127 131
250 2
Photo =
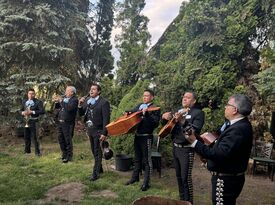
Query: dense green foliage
47 44
39 37
40 46
265 79
212 47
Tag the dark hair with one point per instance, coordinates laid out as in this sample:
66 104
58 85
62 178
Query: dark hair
149 91
31 89
97 86
243 104
192 92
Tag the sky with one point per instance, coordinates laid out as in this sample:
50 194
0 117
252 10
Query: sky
160 13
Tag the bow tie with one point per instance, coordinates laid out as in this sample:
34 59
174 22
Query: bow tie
91 101
66 100
143 106
225 125
29 103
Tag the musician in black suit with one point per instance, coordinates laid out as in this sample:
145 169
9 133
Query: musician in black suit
31 109
96 111
228 157
183 153
67 110
144 139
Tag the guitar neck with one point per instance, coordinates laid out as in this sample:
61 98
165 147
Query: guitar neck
150 109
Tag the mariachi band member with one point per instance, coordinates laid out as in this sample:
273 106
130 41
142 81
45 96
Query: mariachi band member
96 111
183 153
144 139
227 158
31 109
67 110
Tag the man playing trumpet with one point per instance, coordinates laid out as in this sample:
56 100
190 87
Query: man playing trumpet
67 110
31 109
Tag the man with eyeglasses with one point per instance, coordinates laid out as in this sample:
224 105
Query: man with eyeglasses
227 159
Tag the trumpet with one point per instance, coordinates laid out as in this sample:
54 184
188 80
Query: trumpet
27 117
57 98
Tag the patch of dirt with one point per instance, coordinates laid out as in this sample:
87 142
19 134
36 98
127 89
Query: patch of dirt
69 193
258 188
104 193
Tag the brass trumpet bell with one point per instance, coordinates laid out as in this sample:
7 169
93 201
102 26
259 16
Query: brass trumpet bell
27 121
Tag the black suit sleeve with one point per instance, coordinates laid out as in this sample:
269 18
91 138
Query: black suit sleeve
38 109
82 109
198 121
153 117
105 116
71 106
227 145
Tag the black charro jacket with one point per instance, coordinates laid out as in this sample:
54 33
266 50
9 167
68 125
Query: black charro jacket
149 122
69 110
37 107
230 153
101 114
195 117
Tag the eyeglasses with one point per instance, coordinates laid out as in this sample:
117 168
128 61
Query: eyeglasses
230 105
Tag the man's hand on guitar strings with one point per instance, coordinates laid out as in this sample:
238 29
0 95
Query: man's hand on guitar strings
190 135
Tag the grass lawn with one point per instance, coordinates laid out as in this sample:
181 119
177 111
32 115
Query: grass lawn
25 179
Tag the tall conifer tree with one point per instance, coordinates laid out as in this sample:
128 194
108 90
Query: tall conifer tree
133 41
100 60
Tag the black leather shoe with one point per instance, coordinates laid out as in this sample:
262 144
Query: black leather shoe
131 181
38 154
94 178
144 187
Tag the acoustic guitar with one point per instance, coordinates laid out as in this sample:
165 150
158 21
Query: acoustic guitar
127 123
208 138
167 129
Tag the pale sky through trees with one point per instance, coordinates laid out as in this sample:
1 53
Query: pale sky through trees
160 13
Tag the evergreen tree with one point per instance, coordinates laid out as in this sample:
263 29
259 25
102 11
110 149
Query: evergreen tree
133 41
210 48
100 60
39 36
42 44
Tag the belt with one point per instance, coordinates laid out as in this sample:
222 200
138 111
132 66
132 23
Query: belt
178 145
181 145
143 135
226 174
33 118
